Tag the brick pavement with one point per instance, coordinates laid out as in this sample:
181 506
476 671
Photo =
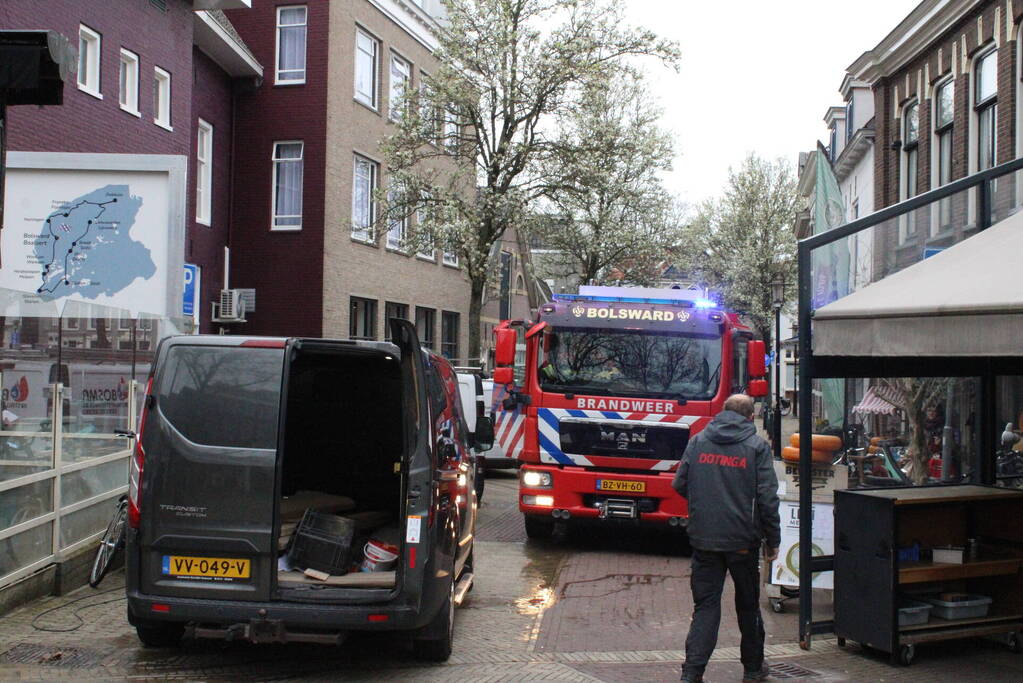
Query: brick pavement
597 607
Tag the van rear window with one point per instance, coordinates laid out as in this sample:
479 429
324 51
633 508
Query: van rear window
222 396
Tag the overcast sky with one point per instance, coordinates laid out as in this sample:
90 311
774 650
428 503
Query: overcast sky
756 76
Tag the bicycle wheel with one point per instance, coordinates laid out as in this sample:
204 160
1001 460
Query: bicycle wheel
112 541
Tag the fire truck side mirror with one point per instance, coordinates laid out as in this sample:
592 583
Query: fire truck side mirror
755 360
757 388
504 346
503 376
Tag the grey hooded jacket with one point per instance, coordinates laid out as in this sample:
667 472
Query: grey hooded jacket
727 475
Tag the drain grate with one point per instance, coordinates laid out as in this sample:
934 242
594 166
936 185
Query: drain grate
786 670
66 657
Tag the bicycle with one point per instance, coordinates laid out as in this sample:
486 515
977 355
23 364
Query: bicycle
111 543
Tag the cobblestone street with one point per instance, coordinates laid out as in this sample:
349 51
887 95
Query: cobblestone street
592 607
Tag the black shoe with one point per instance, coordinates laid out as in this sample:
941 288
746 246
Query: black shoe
756 676
691 677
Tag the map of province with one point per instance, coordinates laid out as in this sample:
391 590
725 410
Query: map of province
85 246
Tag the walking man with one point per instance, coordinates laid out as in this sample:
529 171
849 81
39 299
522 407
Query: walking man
727 475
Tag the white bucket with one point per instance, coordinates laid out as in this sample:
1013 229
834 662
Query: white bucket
379 557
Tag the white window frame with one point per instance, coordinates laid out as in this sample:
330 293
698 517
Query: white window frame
89 81
277 49
204 173
162 87
404 85
375 95
274 161
431 255
451 131
906 230
365 234
449 258
397 233
129 90
938 131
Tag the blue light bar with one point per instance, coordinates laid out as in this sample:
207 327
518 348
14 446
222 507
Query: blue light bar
705 303
622 299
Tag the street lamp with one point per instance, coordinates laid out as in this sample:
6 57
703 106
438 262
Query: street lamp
777 300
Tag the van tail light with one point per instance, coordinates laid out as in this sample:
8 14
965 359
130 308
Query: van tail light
138 460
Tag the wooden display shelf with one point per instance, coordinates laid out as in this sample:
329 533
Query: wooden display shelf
922 572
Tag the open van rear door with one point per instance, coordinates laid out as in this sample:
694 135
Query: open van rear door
418 451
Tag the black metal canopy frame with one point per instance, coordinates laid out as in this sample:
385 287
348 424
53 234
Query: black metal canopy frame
987 368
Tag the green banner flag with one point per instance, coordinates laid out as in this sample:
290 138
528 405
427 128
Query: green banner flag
830 269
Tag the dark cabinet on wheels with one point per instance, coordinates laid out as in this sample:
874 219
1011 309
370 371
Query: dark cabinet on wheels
873 579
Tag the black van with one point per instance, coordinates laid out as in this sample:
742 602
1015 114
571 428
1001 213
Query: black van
237 433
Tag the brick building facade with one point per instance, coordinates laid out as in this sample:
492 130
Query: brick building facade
946 96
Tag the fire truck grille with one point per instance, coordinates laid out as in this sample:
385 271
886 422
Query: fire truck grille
621 440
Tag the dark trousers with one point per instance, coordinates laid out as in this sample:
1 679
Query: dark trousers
707 581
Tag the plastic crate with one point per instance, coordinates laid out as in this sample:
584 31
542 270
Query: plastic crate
965 607
323 542
912 612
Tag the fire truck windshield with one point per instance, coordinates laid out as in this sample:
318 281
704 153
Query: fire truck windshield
627 363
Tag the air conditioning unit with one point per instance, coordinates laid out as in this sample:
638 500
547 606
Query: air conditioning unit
230 308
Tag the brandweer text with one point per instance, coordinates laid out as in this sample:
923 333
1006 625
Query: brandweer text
623 404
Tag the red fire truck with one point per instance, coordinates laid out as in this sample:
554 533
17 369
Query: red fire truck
598 396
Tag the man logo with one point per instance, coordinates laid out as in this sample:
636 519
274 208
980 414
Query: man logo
578 311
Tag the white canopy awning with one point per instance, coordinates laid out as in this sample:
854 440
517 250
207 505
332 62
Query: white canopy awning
964 301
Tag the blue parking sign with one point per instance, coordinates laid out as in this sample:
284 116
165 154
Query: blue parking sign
188 305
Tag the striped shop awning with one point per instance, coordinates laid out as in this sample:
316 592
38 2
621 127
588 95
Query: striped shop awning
878 400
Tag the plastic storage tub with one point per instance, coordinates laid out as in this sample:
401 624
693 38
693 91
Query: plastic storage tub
913 612
323 542
958 606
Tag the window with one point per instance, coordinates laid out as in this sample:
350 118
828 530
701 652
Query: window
944 111
401 75
366 69
451 141
450 258
986 106
833 144
204 173
362 319
426 111
129 81
162 98
89 43
70 323
291 35
426 320
393 310
850 126
449 334
423 224
124 323
222 396
910 144
287 185
363 205
397 228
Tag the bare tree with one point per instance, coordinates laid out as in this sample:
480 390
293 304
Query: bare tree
744 240
506 68
611 217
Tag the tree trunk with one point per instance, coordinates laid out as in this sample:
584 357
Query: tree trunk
476 285
917 452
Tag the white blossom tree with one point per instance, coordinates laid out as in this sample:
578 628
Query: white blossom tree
744 240
506 67
608 216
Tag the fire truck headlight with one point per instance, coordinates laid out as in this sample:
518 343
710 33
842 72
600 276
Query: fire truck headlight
536 480
543 501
